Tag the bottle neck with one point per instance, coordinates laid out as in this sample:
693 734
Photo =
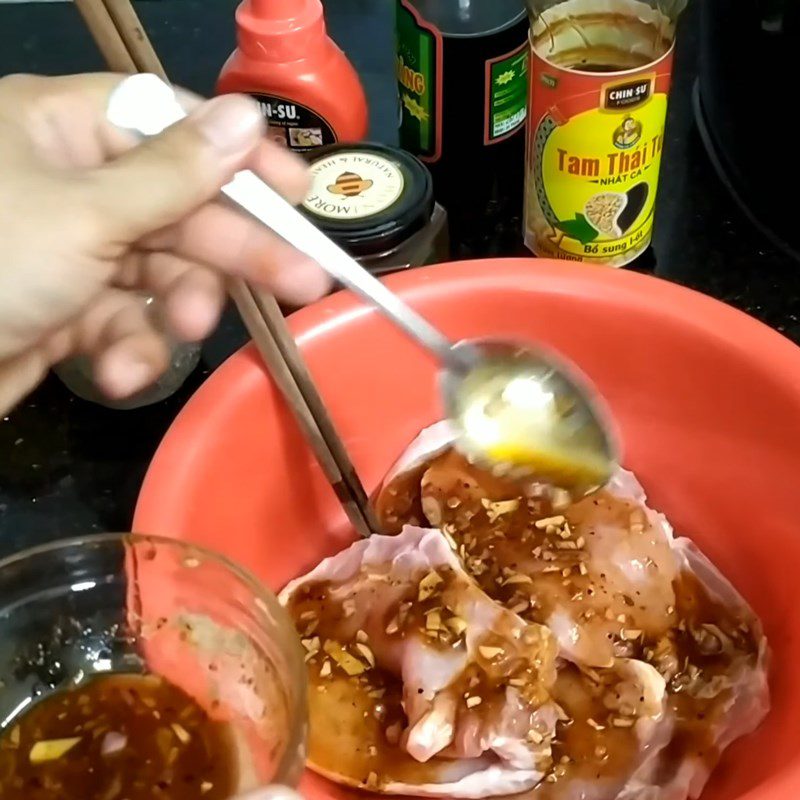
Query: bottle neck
280 30
275 9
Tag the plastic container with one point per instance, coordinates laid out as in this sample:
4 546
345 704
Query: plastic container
707 399
309 92
377 203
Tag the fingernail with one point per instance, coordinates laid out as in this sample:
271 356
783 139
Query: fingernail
301 282
231 123
124 377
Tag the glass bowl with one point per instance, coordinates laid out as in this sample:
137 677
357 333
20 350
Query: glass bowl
123 603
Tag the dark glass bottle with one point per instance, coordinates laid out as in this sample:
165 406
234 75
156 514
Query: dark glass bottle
462 70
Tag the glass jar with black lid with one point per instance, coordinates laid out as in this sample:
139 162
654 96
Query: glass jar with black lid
376 202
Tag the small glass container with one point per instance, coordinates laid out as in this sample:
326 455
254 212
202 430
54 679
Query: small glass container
77 375
376 202
122 603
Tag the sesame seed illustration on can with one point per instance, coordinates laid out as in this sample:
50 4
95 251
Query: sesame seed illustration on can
600 76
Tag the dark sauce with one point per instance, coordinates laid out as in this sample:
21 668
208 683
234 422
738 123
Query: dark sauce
353 700
687 649
357 701
485 214
589 67
118 737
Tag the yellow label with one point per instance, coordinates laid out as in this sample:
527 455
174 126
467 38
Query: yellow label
594 156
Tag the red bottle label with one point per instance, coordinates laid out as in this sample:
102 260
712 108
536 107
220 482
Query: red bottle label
293 125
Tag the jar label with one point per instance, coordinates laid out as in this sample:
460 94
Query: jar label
293 125
419 76
353 185
506 94
593 160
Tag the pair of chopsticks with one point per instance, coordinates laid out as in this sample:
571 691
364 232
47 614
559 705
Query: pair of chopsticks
120 37
118 33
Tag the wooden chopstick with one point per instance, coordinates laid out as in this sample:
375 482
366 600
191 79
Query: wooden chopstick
116 29
291 356
130 29
282 373
106 36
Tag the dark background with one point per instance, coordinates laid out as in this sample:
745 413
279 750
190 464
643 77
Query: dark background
68 467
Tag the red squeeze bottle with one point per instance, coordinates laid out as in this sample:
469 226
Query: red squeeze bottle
309 92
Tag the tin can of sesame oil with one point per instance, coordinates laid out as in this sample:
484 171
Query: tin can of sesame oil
600 75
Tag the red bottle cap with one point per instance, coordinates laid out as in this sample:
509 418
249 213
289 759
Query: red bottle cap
280 30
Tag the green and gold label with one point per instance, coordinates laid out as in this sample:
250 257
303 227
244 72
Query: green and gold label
506 95
419 76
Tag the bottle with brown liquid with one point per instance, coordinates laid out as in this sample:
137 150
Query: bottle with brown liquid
600 76
462 73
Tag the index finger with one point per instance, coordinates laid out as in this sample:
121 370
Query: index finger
281 169
81 102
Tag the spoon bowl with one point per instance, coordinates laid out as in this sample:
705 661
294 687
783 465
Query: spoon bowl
529 414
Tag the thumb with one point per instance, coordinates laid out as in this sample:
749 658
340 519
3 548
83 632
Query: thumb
270 793
166 177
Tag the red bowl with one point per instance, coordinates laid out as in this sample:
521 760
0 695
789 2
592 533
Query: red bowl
707 400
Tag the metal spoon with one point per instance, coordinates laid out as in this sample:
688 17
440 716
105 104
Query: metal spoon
517 410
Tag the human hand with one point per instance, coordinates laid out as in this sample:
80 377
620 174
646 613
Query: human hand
89 220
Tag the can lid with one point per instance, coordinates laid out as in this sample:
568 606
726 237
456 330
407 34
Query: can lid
369 198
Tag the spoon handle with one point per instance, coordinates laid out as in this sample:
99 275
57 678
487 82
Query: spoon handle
147 105
261 201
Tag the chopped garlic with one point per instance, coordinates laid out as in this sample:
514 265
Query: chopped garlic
350 664
311 645
428 585
433 620
51 749
181 733
518 578
542 524
366 652
456 625
496 510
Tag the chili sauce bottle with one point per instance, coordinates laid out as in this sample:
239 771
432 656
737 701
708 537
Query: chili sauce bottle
462 72
308 90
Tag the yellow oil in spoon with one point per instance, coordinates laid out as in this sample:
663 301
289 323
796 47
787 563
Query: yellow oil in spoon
522 415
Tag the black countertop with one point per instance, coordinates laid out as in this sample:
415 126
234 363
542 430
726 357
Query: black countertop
68 467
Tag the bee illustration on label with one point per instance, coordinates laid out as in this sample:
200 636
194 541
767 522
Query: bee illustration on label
628 133
350 184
